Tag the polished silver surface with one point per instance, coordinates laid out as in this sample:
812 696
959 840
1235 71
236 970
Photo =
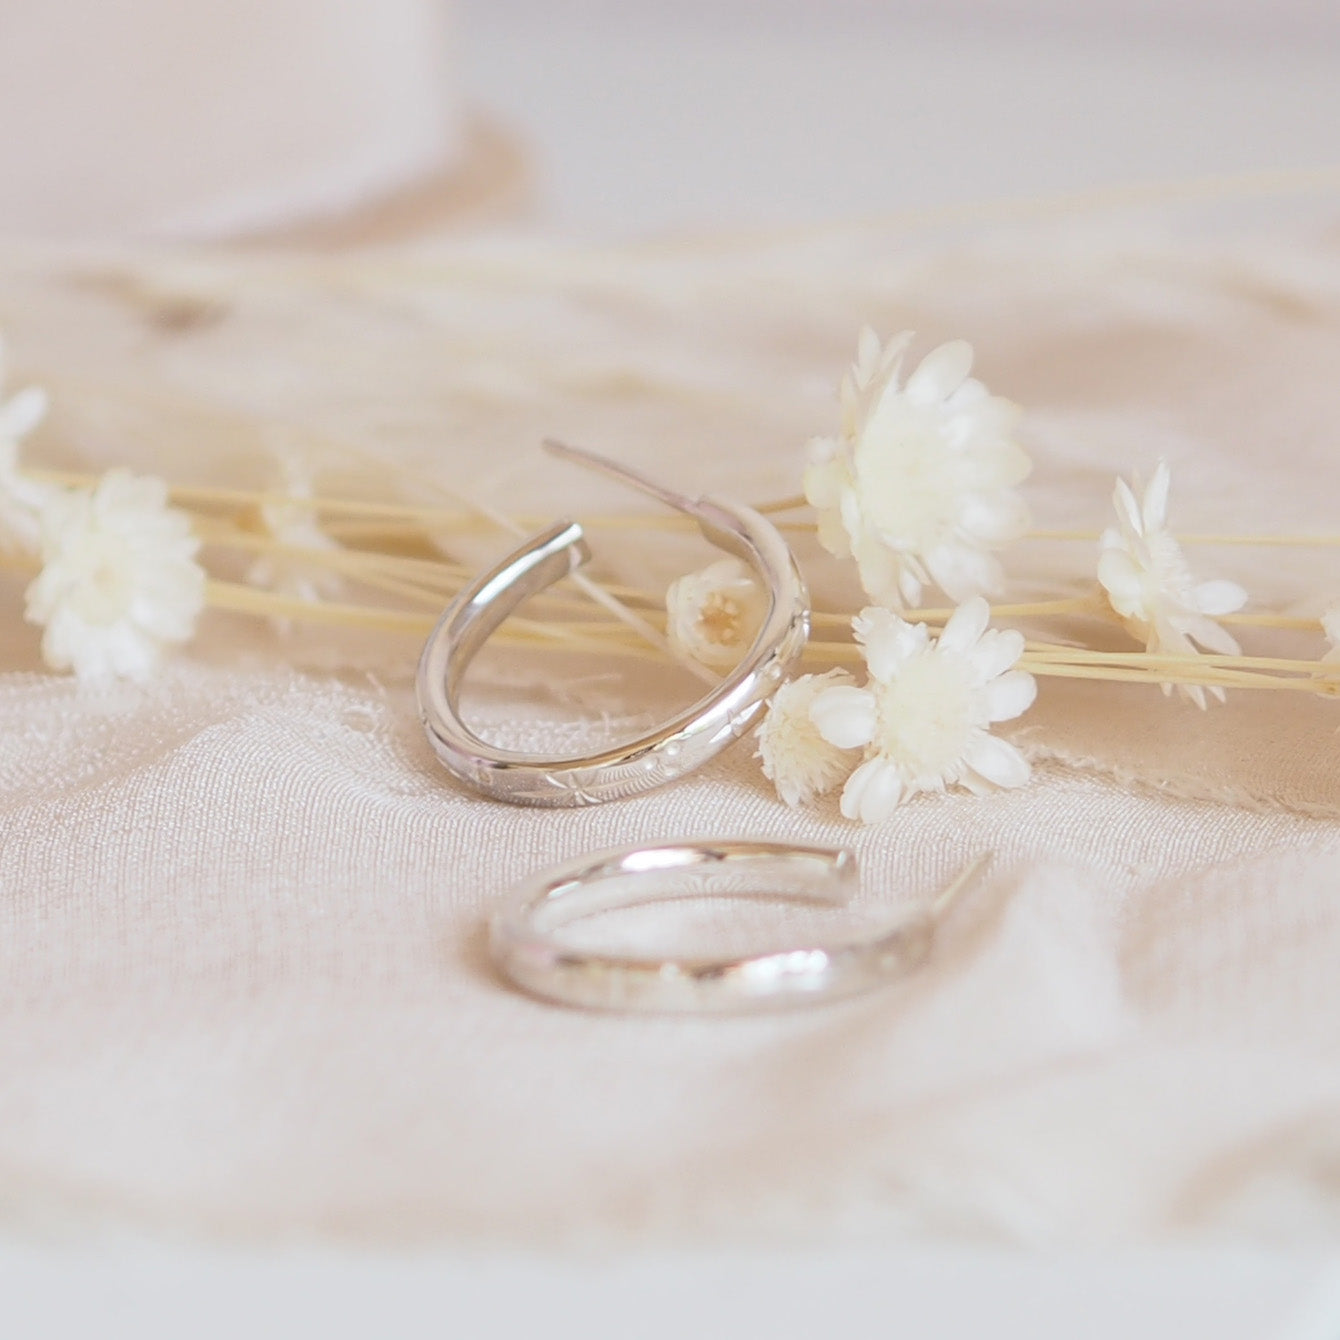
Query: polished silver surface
729 710
529 952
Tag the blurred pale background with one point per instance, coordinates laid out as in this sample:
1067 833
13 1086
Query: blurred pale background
218 117
648 115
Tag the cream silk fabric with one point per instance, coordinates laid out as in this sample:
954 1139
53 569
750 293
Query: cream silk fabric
244 981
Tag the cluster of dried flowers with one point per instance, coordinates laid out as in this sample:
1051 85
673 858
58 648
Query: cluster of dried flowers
118 582
921 489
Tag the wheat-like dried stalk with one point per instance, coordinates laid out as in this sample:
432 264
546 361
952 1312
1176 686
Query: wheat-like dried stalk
388 556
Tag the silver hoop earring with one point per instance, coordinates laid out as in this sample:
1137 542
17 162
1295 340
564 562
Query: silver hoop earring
680 745
529 954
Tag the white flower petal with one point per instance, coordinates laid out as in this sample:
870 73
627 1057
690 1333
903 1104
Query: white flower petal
909 586
826 474
941 373
996 651
872 792
1220 597
890 361
822 450
998 762
875 372
1128 510
20 528
1010 695
879 570
129 653
1155 509
962 572
832 534
21 413
970 399
867 355
965 626
996 462
1330 625
849 508
978 786
888 640
1168 635
1209 634
1119 575
845 716
993 518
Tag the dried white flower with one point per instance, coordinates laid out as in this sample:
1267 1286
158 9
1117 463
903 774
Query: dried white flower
798 761
21 498
119 580
925 714
293 524
714 614
1145 576
920 486
1330 625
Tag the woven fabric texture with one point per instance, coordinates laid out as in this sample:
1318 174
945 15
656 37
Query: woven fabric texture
243 981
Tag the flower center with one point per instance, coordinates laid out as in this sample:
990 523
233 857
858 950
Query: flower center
1167 574
927 716
106 585
721 619
908 479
